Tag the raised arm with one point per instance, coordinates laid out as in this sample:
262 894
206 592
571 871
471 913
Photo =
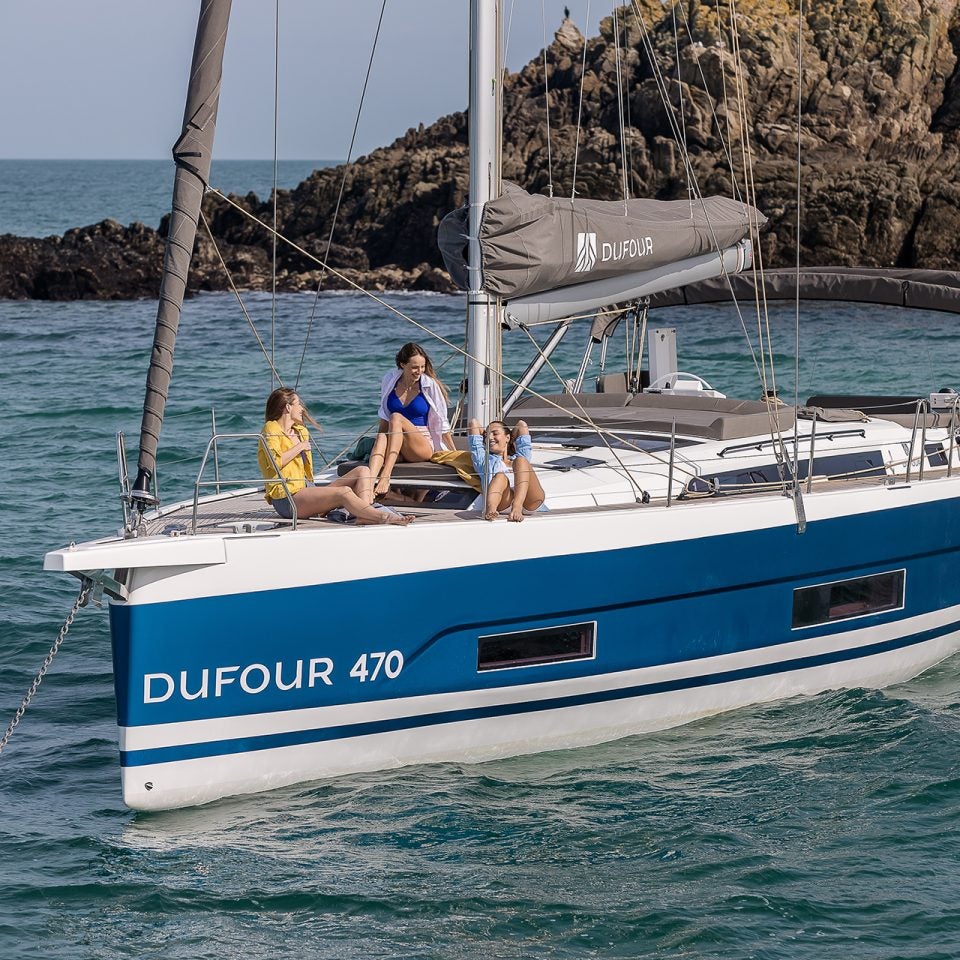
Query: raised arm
520 435
477 452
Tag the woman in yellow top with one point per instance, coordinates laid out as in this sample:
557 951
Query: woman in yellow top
289 443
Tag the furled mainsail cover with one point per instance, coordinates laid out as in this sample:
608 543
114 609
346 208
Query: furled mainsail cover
531 243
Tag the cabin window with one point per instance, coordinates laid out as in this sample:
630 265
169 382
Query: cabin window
585 439
868 463
527 648
846 599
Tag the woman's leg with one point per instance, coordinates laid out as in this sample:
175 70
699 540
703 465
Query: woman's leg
527 492
406 442
359 480
378 452
499 496
317 501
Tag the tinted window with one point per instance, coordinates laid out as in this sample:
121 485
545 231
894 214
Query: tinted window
528 647
869 463
844 599
583 440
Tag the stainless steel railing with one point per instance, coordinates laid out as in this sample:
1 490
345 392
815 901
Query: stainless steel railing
218 481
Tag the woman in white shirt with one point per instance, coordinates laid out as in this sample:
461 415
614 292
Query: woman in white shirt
413 416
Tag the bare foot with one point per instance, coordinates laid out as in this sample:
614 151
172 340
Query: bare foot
491 515
516 515
398 519
383 486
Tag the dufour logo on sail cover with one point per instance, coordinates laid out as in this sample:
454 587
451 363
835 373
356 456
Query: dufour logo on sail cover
629 249
586 252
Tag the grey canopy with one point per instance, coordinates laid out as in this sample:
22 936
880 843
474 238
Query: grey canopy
531 243
904 287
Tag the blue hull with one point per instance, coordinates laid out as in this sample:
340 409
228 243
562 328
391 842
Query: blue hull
653 605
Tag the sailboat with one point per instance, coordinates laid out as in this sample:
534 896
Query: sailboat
700 554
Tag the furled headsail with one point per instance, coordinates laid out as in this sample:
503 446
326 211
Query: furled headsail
534 245
192 154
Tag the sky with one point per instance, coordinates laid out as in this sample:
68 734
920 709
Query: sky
98 79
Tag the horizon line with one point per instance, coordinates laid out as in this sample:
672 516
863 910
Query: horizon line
329 160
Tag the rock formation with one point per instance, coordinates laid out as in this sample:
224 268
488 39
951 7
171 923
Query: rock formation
879 142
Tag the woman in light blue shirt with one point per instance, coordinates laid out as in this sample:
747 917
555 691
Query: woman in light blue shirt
511 482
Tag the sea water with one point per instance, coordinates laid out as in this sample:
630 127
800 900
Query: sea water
43 197
816 828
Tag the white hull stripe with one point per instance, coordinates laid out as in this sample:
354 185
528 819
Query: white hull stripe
249 744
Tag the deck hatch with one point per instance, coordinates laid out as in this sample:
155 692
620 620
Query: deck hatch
527 648
846 599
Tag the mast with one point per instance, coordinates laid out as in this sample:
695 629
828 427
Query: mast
192 154
483 310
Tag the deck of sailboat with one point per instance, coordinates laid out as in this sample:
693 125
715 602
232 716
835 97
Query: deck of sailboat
564 424
247 512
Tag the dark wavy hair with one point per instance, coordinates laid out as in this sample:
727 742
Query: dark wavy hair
511 442
410 350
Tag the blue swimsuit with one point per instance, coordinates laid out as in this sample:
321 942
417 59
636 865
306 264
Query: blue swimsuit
416 411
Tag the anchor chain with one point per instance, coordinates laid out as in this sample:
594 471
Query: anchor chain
81 601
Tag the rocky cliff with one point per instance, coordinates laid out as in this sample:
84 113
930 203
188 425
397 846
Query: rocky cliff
879 146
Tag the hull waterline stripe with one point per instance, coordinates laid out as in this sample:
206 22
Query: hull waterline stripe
193 751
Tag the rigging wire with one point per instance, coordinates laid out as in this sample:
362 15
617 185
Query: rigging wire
763 318
661 86
623 135
680 110
276 115
765 348
724 141
273 369
583 74
546 97
628 143
796 362
275 374
763 315
343 182
644 496
506 39
425 329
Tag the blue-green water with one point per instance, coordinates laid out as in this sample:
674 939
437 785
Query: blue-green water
816 828
43 197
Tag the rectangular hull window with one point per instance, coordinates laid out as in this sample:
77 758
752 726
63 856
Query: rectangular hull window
846 599
528 648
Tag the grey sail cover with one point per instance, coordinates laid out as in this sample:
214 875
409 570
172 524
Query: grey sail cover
531 243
